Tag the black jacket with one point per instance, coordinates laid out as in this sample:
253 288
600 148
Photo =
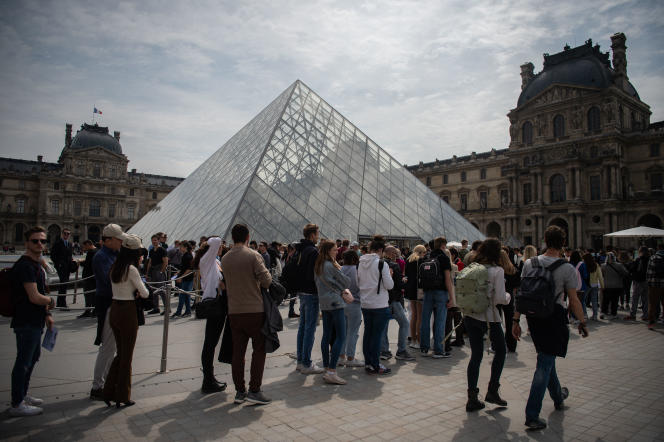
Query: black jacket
411 284
308 254
273 322
61 255
395 294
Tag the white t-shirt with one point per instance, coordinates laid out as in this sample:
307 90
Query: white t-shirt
564 277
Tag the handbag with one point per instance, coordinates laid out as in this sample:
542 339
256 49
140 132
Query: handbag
209 308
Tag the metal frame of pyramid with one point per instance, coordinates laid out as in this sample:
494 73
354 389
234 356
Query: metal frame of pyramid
301 161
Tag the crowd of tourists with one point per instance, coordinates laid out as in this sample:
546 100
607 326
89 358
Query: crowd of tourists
455 295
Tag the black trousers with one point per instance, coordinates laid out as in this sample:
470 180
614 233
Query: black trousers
63 274
508 312
454 317
213 329
611 299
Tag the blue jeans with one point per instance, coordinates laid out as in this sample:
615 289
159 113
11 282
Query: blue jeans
184 299
306 330
398 313
375 321
545 378
435 301
353 312
592 294
28 350
333 320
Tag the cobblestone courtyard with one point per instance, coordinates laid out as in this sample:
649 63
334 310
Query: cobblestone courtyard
614 377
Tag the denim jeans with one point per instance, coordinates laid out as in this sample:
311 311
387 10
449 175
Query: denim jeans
375 321
353 312
545 378
593 293
28 350
183 298
639 292
333 320
306 330
398 313
476 330
435 301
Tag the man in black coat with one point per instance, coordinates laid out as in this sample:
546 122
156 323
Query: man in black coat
89 285
61 255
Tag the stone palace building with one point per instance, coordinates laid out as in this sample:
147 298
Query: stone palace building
583 155
86 189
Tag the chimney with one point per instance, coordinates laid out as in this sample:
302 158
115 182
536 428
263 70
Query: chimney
133 170
527 72
619 57
40 158
116 135
68 135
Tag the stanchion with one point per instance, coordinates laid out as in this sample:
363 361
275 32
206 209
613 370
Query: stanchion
167 317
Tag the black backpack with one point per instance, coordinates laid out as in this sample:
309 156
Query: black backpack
431 275
537 296
290 273
658 266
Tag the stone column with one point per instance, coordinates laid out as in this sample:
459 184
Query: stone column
540 232
579 230
569 182
614 181
515 198
577 183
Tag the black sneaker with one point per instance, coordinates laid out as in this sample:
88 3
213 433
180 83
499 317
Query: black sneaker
240 397
154 311
257 397
442 355
385 355
212 387
457 343
425 353
561 405
536 424
404 356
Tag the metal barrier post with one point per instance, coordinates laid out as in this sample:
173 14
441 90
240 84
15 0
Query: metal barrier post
167 317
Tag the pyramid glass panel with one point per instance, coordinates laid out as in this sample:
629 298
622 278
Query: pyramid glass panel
300 161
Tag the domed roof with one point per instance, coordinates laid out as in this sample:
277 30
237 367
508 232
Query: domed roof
95 136
581 66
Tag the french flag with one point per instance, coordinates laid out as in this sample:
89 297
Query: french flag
97 111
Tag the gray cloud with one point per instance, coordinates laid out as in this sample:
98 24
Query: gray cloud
425 79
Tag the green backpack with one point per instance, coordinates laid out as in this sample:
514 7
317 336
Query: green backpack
472 289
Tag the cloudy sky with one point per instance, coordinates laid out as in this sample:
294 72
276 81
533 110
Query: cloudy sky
424 79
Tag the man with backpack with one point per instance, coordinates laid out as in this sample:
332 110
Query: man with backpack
435 280
655 278
30 313
303 263
546 281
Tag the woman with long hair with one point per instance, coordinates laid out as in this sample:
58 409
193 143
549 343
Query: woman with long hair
333 294
352 312
411 292
185 280
489 255
595 281
529 252
126 285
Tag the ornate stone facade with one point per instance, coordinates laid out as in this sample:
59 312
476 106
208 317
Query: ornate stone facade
86 189
583 155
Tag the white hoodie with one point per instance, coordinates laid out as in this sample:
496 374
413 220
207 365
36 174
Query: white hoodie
367 280
209 268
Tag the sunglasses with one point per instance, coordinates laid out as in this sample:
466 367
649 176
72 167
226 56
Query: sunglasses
66 233
37 241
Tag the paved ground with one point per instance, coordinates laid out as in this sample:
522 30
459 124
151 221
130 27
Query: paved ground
614 376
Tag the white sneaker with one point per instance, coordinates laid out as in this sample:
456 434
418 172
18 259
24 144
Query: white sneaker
341 362
24 409
313 369
333 379
33 401
414 344
354 363
299 367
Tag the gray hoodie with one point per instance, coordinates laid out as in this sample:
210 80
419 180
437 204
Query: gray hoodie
330 284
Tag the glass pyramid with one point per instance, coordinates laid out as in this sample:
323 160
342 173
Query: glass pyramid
300 161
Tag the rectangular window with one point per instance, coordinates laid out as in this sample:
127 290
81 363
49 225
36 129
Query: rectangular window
428 181
95 208
21 184
656 181
527 193
96 171
482 174
20 205
111 210
463 177
654 150
595 193
464 201
55 206
131 192
130 212
56 185
445 179
77 208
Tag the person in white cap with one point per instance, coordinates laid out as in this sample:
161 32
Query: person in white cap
112 237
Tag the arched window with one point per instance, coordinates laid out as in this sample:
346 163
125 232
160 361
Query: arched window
527 133
593 119
558 189
558 126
